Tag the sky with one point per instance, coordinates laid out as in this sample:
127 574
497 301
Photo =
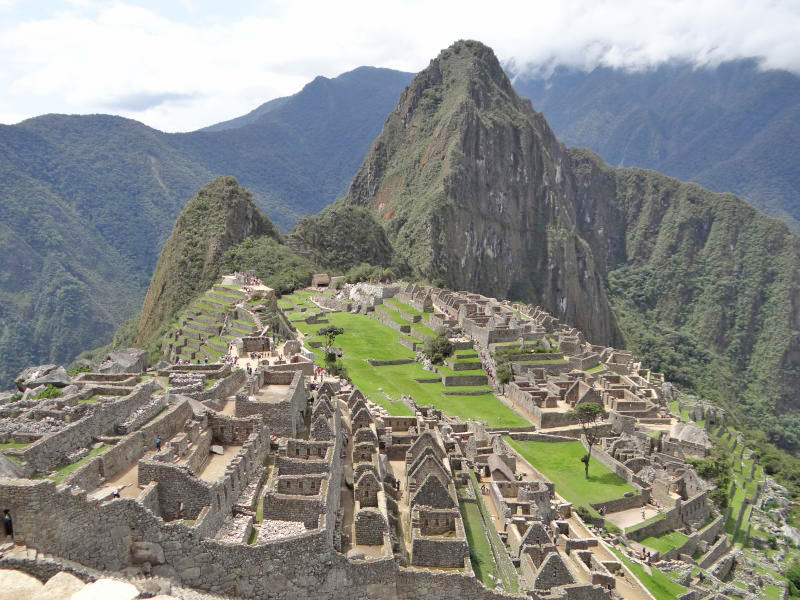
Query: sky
178 65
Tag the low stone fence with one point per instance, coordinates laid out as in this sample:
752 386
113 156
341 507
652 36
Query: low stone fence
388 363
717 551
52 451
211 371
616 466
624 503
144 414
462 380
305 366
539 437
222 388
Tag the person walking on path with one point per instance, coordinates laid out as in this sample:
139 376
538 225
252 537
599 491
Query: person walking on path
8 524
158 444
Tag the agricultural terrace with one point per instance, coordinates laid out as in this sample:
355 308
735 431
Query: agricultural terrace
366 338
560 462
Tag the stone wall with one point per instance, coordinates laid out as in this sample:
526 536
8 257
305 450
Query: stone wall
370 527
439 552
222 388
51 451
303 566
284 417
233 430
717 551
306 367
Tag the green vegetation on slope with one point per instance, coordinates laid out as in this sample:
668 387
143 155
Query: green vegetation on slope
277 265
341 237
656 582
218 217
89 200
652 119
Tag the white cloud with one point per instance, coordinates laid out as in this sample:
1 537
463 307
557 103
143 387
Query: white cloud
186 71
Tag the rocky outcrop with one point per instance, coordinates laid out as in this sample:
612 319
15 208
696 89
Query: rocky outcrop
474 191
218 217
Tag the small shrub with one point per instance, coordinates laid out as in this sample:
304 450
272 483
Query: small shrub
438 348
611 528
338 370
50 391
584 514
75 370
793 573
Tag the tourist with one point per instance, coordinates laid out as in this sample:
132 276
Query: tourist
8 523
555 539
158 444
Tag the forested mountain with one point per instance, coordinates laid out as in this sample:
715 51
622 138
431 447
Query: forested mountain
87 201
474 191
731 128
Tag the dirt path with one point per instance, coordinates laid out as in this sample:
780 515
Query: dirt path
215 466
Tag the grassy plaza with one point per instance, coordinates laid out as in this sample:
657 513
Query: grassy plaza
366 338
561 463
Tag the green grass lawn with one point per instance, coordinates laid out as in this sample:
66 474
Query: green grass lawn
480 553
13 445
661 586
560 463
445 370
63 472
365 338
505 567
665 542
547 361
397 305
423 330
595 368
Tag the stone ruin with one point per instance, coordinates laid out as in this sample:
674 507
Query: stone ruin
258 486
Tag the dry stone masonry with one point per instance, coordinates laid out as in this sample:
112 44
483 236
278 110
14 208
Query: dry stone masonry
271 482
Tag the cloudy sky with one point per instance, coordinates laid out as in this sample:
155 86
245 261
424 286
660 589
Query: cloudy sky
183 64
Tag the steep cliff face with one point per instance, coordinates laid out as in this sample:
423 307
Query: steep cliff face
718 279
475 191
218 217
471 188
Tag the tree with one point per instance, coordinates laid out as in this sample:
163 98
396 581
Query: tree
589 415
330 334
504 373
438 348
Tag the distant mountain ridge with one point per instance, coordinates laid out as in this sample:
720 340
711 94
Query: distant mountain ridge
89 200
731 128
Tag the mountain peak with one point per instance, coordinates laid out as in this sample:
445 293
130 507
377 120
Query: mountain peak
218 217
468 182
